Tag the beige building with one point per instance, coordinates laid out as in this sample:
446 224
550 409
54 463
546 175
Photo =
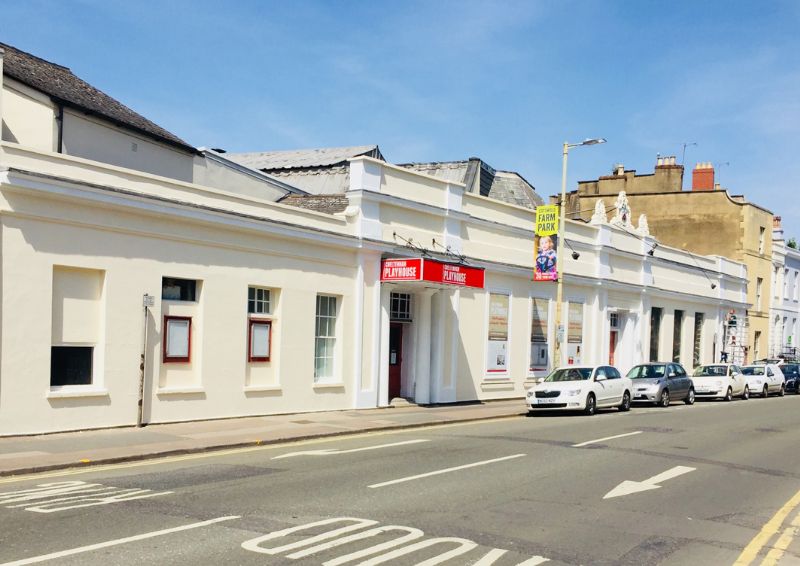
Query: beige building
131 294
705 220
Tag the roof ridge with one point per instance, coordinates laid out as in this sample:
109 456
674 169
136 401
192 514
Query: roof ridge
7 46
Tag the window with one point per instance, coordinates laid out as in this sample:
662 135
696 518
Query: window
677 329
258 300
759 284
655 331
76 325
761 232
796 294
325 338
174 289
574 333
757 345
259 340
698 338
177 339
71 365
539 348
786 284
400 309
497 343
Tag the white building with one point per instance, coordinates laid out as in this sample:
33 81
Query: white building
233 304
785 303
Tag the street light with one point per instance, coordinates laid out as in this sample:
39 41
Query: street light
561 241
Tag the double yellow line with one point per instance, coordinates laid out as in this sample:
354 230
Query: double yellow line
770 529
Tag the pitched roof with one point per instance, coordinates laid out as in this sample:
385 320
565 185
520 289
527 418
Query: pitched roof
481 178
328 204
64 87
304 158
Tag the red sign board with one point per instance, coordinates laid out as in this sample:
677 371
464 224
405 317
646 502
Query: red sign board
419 269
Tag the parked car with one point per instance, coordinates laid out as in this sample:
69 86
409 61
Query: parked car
765 379
581 388
660 383
792 374
720 381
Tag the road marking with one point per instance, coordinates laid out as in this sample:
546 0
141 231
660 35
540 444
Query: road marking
588 442
61 496
446 470
79 550
629 487
333 451
772 526
777 551
258 445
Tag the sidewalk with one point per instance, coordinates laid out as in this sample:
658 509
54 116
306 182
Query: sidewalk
20 455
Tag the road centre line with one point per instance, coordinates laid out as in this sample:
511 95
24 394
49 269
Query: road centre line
772 526
588 442
242 450
334 451
143 536
444 471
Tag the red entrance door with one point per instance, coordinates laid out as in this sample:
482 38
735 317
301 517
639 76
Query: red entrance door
395 358
612 347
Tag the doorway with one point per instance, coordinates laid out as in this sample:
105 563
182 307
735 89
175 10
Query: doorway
395 359
613 337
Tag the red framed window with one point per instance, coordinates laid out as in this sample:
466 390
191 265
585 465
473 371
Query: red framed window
259 340
177 339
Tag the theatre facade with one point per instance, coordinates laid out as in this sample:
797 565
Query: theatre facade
129 297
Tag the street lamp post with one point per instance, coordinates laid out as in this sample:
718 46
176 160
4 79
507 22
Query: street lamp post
560 333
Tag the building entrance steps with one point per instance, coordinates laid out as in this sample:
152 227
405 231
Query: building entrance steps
30 454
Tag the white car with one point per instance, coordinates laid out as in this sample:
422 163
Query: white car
720 381
765 379
581 388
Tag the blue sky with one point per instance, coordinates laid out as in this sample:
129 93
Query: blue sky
433 80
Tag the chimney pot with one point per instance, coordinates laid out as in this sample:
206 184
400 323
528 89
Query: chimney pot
776 222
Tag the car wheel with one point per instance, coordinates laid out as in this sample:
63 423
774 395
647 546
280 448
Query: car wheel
728 395
746 393
663 400
783 390
626 402
690 397
765 392
591 405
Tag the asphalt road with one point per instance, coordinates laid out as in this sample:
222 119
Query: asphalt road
505 492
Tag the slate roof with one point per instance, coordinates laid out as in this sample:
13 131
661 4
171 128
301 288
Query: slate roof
66 88
328 204
304 158
481 178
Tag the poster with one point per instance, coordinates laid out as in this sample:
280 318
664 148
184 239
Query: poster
546 264
574 333
497 349
539 317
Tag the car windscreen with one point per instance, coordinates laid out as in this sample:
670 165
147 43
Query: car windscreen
753 370
791 370
648 371
570 374
710 370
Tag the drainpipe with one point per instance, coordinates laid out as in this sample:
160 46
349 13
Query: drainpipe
60 120
147 301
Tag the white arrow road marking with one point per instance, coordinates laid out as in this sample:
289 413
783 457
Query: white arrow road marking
588 442
63 553
628 487
445 471
331 451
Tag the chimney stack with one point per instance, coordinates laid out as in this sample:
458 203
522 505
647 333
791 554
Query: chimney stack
776 222
619 169
703 177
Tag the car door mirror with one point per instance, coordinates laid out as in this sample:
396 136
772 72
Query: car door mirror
599 378
539 380
672 374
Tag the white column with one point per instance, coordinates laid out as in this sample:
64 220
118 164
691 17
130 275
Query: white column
422 381
383 361
439 323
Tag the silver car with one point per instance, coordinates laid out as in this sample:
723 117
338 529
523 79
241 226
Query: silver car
660 383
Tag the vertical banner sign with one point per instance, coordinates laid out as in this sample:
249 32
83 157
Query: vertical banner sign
546 243
497 350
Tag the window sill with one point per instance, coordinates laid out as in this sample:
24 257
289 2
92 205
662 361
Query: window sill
258 388
181 391
329 385
66 392
497 385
